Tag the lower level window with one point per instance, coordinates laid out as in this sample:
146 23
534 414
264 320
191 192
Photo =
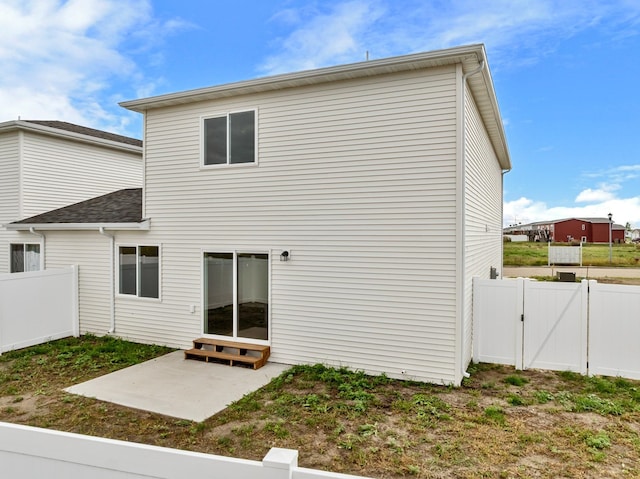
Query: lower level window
139 271
25 257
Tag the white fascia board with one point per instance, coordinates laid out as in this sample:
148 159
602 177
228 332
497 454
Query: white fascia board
143 225
310 77
69 135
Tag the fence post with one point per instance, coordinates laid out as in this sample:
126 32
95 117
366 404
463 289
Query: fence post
519 339
75 307
584 326
279 463
592 283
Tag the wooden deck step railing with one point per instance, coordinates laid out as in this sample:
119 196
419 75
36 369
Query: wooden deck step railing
228 351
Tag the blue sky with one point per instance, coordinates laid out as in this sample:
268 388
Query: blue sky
565 72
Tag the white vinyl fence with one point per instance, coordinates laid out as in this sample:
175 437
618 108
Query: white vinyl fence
33 453
585 327
38 306
614 330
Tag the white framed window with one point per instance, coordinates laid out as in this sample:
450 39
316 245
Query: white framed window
584 227
25 257
139 271
583 239
229 138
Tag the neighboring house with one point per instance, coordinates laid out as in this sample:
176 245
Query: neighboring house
584 230
49 164
539 231
337 215
635 235
588 230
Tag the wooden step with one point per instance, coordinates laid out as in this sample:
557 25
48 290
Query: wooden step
198 343
232 351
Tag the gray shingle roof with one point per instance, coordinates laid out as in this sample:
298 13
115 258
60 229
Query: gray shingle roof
123 206
83 130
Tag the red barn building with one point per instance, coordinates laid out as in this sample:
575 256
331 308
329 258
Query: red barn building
584 230
587 230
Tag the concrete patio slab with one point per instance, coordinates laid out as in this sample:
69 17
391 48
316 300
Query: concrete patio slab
176 387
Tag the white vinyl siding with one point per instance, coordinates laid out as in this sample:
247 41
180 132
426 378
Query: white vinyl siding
169 321
358 180
57 172
9 191
39 173
483 200
91 252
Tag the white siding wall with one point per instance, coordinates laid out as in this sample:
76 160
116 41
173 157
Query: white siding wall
57 172
9 190
358 180
39 173
91 252
483 199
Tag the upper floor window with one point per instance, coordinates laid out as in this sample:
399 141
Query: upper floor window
25 257
230 138
583 227
139 271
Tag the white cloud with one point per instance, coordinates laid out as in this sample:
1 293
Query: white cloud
516 32
604 193
625 173
327 37
524 210
608 196
60 59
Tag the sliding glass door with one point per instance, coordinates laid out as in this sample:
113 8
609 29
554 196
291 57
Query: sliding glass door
218 293
236 295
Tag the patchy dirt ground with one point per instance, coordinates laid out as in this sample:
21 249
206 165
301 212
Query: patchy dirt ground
500 423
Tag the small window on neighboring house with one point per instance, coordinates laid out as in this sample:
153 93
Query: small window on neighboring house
583 227
139 271
229 139
25 257
583 239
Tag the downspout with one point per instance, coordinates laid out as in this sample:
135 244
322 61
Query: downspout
112 312
463 215
33 231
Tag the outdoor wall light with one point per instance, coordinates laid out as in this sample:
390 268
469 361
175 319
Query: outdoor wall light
284 256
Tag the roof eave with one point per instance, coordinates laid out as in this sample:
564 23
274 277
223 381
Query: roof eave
69 135
143 225
309 77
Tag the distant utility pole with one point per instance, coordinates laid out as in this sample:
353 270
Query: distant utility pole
610 228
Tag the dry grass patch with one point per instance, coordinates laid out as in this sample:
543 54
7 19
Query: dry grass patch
500 423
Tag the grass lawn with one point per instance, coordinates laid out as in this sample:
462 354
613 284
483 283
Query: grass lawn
536 254
500 423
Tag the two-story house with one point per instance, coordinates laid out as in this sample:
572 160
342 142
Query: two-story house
337 215
50 164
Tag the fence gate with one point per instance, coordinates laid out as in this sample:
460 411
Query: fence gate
555 326
586 327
